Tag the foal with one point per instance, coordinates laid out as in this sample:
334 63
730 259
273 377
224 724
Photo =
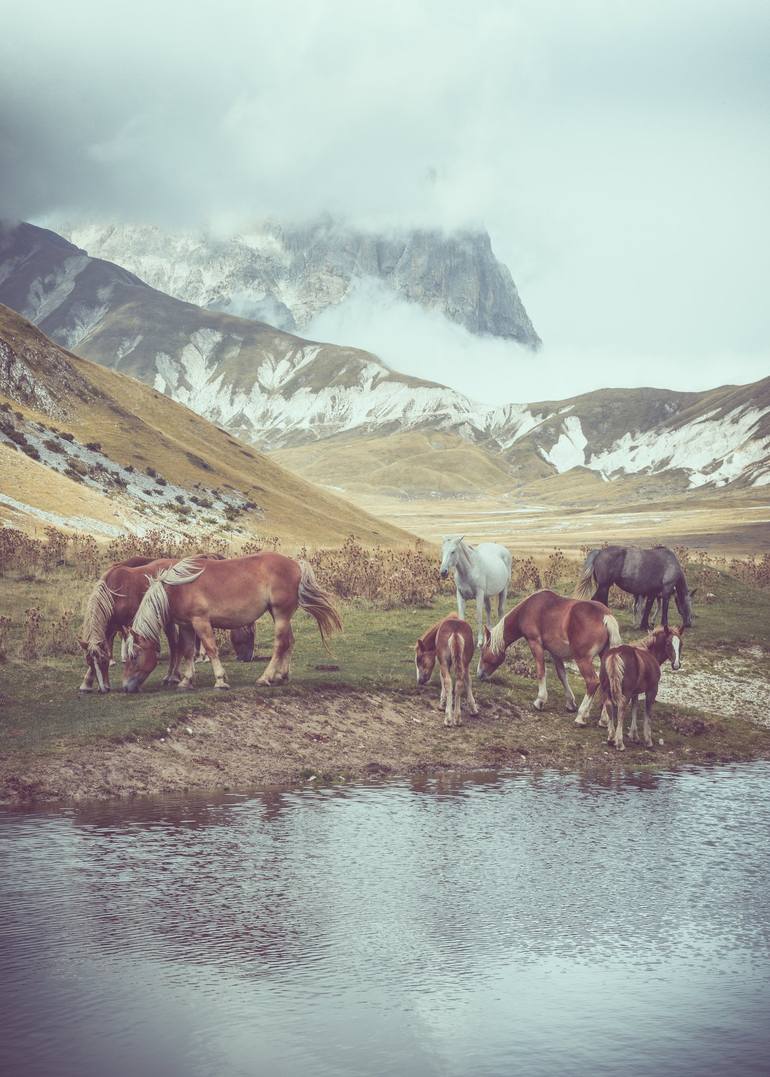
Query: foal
451 641
633 670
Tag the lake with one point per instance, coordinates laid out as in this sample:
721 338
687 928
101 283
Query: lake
491 925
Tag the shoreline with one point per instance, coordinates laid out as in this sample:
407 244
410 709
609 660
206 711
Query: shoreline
250 741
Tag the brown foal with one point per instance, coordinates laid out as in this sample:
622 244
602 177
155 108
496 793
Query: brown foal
451 642
633 670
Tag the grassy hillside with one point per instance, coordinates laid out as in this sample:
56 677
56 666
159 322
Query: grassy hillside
138 428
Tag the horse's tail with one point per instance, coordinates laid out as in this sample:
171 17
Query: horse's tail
457 654
613 630
318 603
585 584
615 667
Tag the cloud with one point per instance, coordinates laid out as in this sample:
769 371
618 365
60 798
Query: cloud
413 340
617 153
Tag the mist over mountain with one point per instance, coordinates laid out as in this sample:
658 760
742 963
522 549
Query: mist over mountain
288 274
277 389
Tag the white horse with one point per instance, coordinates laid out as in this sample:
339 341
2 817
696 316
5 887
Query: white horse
480 572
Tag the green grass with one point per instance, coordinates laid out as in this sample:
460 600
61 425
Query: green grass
41 710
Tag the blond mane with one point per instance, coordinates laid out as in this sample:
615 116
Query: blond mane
99 610
497 637
153 614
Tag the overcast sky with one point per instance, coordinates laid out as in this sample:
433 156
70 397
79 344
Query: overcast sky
617 153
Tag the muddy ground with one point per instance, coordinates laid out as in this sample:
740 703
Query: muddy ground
249 741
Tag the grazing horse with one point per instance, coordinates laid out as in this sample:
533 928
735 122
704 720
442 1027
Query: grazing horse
480 572
110 609
565 628
631 671
639 572
201 596
451 641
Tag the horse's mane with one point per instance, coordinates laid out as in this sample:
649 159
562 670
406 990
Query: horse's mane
497 637
647 642
99 610
151 617
428 639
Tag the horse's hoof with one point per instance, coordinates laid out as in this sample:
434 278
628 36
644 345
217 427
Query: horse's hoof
602 723
571 708
539 704
182 687
264 682
223 687
620 747
580 721
84 691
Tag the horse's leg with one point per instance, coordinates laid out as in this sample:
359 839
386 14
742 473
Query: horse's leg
649 700
459 692
205 634
87 684
561 673
172 638
460 605
446 677
186 644
618 739
501 600
633 732
539 655
645 621
664 608
588 673
480 599
638 605
612 713
283 644
472 705
488 610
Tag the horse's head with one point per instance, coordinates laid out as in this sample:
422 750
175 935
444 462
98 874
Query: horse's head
424 660
242 640
98 660
686 610
141 660
489 659
449 553
667 645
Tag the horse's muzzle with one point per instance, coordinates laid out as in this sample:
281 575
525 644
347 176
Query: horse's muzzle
132 686
444 573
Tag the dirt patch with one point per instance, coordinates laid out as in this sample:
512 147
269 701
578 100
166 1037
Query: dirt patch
729 689
250 741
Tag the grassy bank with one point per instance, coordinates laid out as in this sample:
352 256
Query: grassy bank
363 717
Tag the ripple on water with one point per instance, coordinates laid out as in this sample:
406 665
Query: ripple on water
434 926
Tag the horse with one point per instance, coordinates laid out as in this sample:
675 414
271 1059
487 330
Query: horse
639 572
565 628
110 609
201 596
451 641
480 572
631 671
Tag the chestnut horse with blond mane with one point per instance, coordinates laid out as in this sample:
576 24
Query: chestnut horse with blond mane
563 627
201 596
110 609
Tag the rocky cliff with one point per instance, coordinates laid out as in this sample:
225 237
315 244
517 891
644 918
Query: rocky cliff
285 275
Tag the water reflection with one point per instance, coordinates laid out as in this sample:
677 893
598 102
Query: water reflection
442 925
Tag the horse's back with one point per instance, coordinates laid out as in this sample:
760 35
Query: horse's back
453 626
641 670
495 561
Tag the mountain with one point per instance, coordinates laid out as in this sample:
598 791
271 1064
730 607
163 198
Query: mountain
280 391
87 448
287 274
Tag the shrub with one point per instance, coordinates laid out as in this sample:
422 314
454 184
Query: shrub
5 624
30 645
53 446
31 451
94 446
68 437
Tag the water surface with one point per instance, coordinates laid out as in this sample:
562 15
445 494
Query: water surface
533 925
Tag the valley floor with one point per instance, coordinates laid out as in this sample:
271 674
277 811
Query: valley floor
361 715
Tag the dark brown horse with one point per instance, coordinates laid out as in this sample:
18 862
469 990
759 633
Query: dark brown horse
563 627
201 596
631 671
451 642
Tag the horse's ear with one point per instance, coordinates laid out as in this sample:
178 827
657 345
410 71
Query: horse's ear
680 629
83 644
134 635
460 538
694 592
487 636
419 646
